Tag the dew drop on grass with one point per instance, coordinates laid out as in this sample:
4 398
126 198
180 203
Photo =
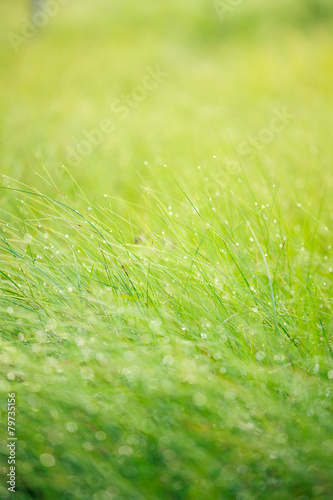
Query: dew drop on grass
100 435
125 450
87 446
71 427
47 460
28 238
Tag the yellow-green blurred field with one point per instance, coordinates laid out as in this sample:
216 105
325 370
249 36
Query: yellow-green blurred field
166 249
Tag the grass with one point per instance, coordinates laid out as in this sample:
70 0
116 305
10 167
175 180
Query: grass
166 302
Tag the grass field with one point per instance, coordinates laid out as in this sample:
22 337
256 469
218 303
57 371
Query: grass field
166 250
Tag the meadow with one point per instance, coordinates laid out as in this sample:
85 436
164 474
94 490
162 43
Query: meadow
166 250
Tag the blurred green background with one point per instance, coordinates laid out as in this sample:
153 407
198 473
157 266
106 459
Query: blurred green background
228 69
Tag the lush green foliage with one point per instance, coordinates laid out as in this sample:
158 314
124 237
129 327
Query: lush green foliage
166 297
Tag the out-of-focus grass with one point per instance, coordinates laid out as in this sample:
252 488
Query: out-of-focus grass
66 79
166 303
